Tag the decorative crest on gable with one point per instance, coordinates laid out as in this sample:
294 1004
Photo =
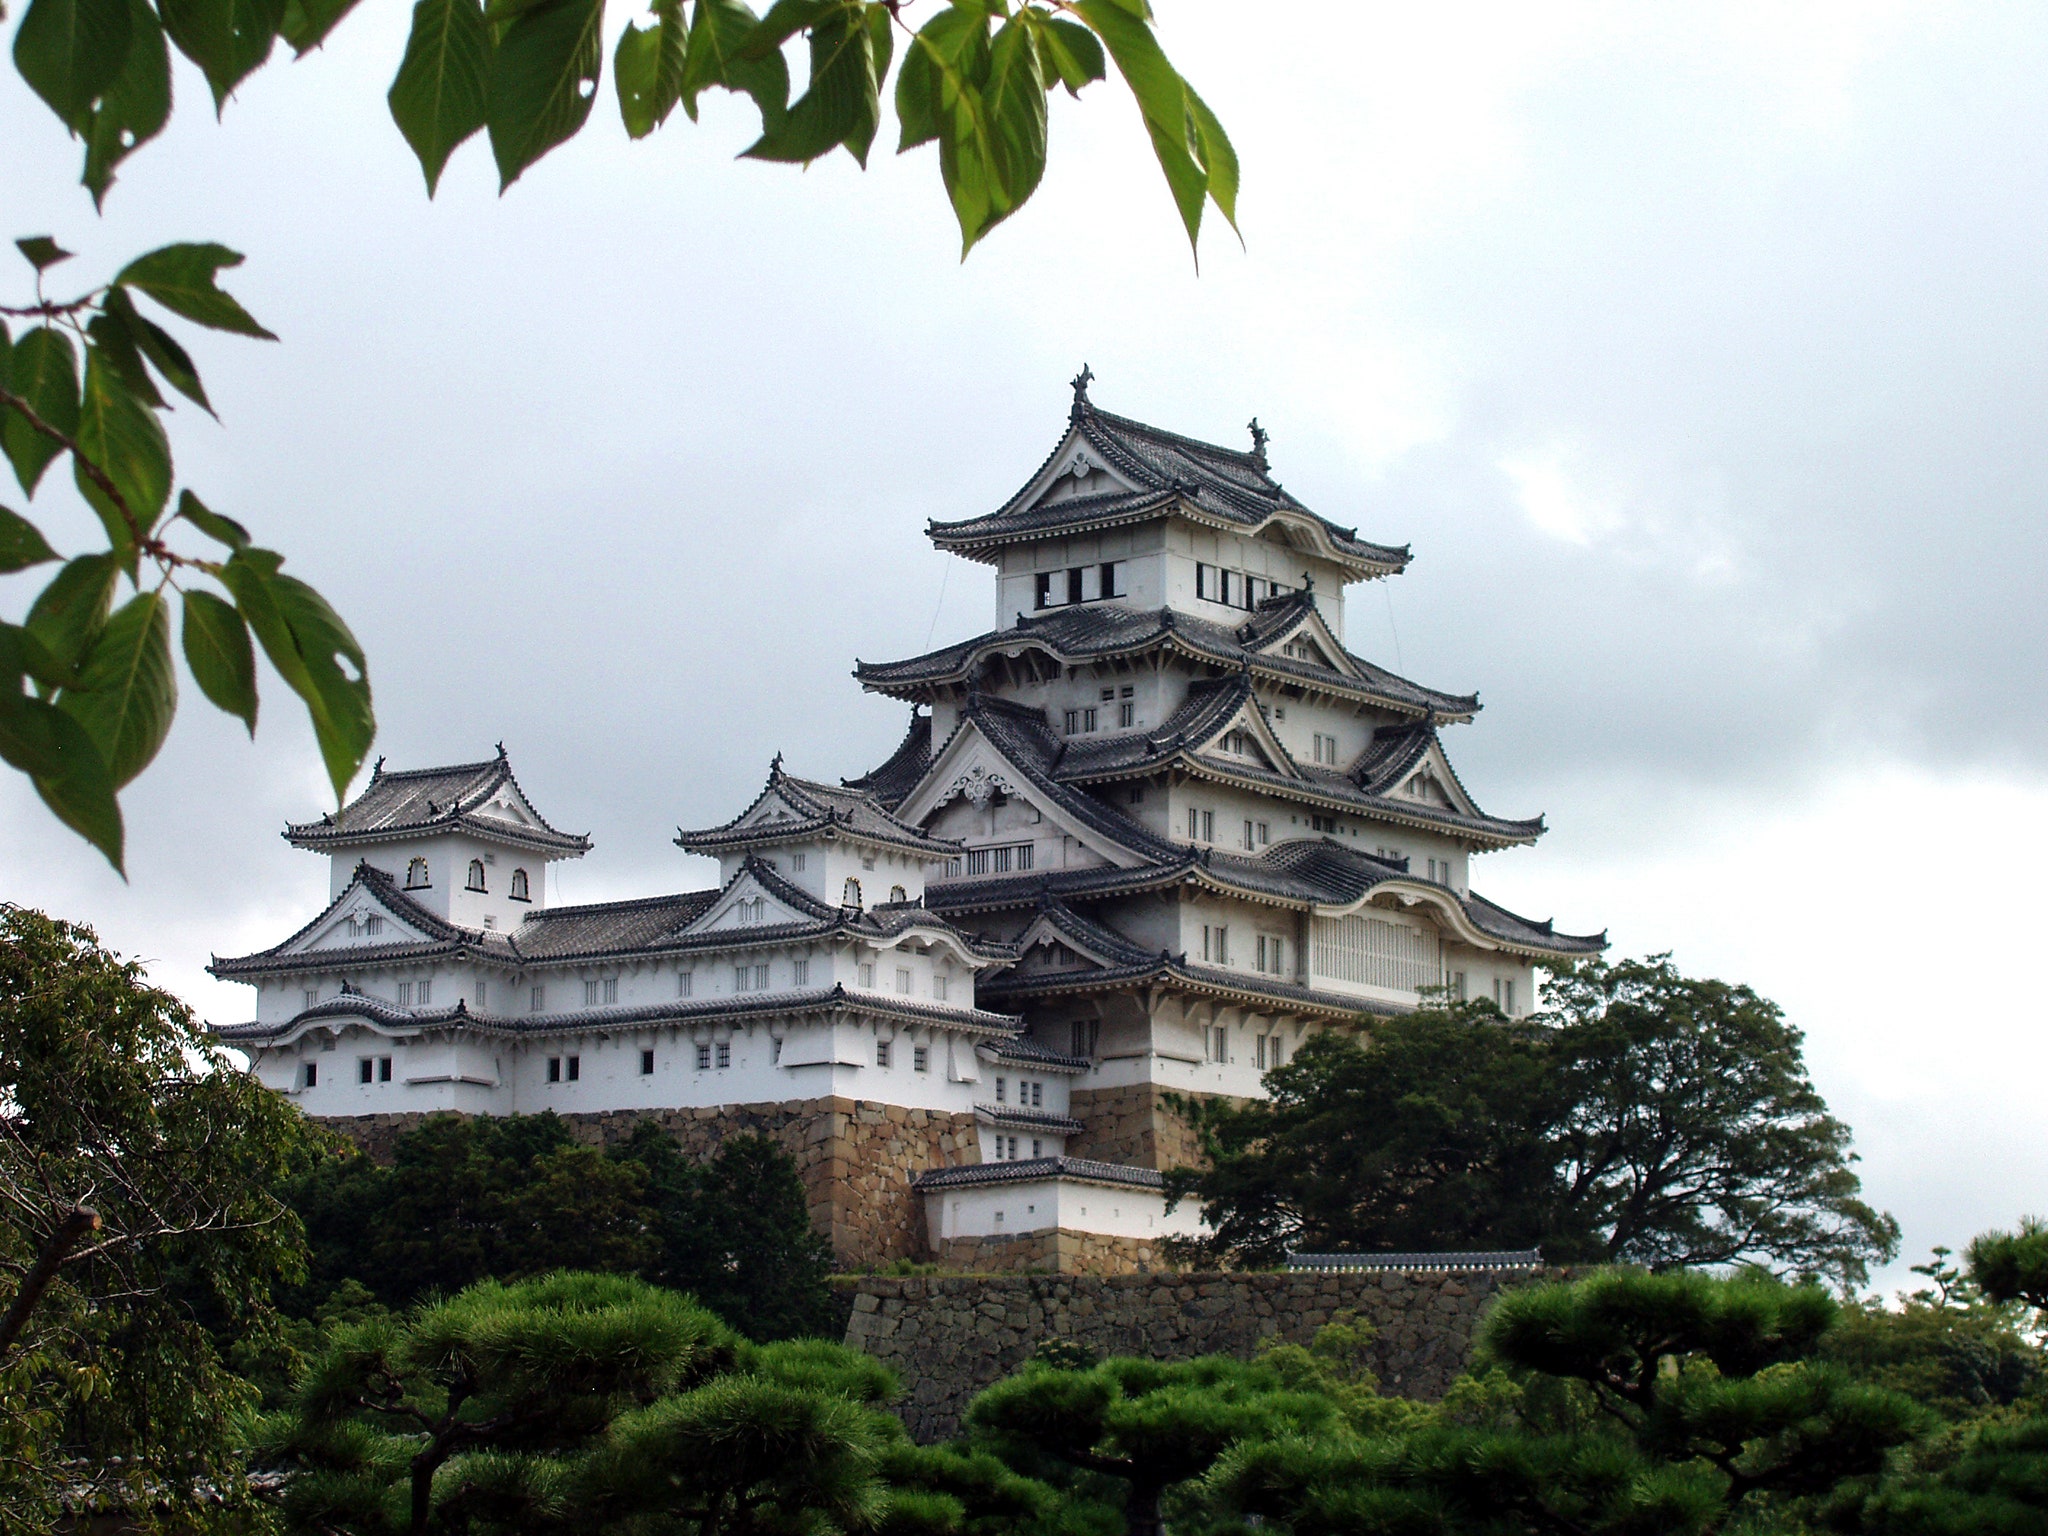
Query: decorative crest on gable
978 785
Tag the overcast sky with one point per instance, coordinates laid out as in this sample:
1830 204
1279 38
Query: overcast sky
1700 352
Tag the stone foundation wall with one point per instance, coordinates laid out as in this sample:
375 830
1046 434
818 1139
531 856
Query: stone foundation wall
947 1337
856 1158
1135 1125
1053 1253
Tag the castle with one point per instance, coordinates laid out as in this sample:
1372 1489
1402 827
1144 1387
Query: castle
1139 841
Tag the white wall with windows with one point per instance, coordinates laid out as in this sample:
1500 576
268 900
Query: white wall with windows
1033 580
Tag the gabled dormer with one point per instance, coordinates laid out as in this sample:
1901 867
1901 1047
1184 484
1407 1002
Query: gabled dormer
463 841
839 845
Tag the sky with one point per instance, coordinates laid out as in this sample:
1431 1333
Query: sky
1699 352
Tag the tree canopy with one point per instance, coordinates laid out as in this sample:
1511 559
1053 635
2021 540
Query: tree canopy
139 1230
470 1198
1645 1117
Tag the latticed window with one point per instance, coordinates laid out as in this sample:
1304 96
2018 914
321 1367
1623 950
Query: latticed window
519 887
476 875
1374 953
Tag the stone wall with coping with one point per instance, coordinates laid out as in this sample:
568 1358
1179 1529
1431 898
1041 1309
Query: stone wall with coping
856 1158
949 1336
1057 1252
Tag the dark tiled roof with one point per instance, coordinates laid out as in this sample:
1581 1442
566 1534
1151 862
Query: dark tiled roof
1226 485
611 927
1013 1119
1000 1026
905 768
1022 1048
825 810
1082 1169
1099 631
423 800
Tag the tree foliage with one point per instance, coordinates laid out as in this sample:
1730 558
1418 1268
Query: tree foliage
469 1198
1647 1117
137 1228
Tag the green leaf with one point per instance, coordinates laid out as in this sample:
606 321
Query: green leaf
544 76
135 107
222 660
114 339
439 96
648 68
67 615
718 31
127 687
313 652
784 20
842 104
1188 152
21 543
1069 50
160 347
123 437
69 51
43 370
307 22
182 279
55 751
42 252
227 39
222 530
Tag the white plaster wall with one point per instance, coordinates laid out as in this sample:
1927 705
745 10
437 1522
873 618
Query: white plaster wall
1142 548
1040 1205
1188 545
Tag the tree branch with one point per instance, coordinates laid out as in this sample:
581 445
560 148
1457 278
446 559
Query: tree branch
79 1221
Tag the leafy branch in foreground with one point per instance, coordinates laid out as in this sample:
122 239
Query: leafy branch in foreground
974 78
88 689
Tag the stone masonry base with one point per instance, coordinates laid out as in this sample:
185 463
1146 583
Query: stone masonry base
947 1337
1134 1125
856 1158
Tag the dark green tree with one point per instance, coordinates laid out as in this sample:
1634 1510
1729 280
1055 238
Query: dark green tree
1432 1136
137 1227
1149 1425
1700 1409
1646 1117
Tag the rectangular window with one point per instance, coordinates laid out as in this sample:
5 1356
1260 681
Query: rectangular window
704 1058
939 985
575 1066
426 993
1208 826
1265 834
366 1069
725 1053
1049 594
1504 994
1108 694
775 1050
1116 579
1377 953
1081 1035
867 975
1216 1039
311 1078
1278 1053
741 975
1127 713
881 1053
647 1063
683 984
1205 582
540 999
405 994
1248 842
480 994
312 996
920 1058
1260 1049
611 989
590 994
1194 824
903 980
796 862
383 1069
1002 1091
1456 983
800 973
760 978
1272 954
554 1069
1038 1095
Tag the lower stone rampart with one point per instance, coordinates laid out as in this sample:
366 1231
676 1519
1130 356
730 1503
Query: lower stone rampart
947 1336
856 1158
1057 1252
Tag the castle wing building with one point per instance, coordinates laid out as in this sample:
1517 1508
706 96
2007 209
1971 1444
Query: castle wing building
1139 840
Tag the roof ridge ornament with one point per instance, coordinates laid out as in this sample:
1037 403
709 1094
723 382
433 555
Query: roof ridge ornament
1259 435
1081 381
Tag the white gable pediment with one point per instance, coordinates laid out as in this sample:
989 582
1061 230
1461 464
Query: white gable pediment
1311 643
1046 946
360 918
1076 469
744 904
974 772
1431 783
1246 740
